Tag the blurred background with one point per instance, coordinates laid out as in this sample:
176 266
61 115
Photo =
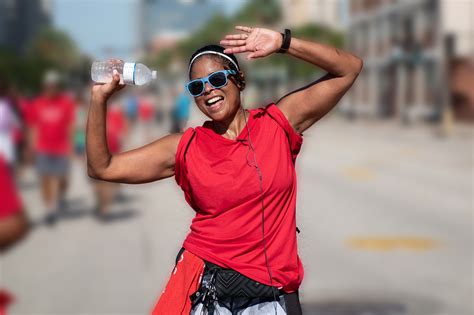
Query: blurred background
385 203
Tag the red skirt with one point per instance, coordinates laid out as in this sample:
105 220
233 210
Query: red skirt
184 281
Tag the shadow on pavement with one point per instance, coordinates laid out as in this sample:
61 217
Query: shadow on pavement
375 305
116 216
355 308
123 198
76 209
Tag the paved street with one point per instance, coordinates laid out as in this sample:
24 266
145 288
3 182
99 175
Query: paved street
385 214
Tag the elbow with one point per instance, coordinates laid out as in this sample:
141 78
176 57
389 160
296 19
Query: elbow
98 170
93 173
358 65
354 69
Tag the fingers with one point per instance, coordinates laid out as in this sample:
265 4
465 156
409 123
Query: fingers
238 42
236 36
244 28
115 79
236 50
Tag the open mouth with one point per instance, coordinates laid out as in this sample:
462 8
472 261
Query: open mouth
214 101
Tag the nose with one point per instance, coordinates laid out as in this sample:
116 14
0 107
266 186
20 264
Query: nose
207 87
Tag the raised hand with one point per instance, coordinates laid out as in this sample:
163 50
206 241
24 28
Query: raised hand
102 92
258 42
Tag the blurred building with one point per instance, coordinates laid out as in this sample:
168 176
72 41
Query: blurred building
414 52
170 20
301 12
21 20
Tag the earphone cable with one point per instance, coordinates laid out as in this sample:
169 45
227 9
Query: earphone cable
260 177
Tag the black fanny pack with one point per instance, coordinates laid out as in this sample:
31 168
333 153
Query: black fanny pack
230 283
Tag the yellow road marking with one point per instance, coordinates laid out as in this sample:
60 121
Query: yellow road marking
392 243
364 173
359 173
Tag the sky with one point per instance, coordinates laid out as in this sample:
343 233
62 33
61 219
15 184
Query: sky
102 28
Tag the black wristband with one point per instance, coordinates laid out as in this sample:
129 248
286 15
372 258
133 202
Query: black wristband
285 44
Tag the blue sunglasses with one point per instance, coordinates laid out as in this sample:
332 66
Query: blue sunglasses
216 79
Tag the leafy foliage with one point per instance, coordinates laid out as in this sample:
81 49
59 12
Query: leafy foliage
51 49
264 13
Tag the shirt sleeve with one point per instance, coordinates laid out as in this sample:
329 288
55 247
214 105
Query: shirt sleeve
10 203
295 139
179 171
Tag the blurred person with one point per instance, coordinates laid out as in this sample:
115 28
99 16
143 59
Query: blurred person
237 172
23 145
180 112
105 192
80 126
131 108
9 125
145 114
53 127
159 109
13 223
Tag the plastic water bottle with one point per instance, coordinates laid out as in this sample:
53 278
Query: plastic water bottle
130 72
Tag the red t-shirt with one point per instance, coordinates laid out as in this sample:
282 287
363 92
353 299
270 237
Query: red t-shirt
116 127
145 110
53 118
10 203
222 186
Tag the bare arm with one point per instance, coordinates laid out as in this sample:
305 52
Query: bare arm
146 164
12 229
307 105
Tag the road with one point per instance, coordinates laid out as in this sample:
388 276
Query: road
385 214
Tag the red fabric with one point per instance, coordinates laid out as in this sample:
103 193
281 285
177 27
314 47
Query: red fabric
145 110
27 110
184 281
10 203
5 300
53 118
222 186
116 127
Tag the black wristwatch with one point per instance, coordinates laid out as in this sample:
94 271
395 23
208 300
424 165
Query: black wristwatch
285 44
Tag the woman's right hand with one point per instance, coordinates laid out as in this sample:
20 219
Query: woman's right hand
101 92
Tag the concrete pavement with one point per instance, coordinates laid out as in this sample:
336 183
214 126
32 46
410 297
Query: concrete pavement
385 214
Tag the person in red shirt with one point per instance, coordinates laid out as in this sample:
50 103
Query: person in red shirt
146 113
53 126
13 223
237 172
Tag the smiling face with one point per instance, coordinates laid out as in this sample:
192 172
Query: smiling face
218 104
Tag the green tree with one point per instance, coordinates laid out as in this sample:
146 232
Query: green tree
49 49
264 13
55 48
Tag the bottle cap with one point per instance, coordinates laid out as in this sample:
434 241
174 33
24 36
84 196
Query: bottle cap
153 74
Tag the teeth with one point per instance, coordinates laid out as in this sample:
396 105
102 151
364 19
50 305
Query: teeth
214 100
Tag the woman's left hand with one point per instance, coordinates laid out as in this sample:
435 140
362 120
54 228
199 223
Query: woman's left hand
259 42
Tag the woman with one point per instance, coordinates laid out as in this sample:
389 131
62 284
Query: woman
236 171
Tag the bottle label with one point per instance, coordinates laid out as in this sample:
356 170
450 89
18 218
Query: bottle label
129 72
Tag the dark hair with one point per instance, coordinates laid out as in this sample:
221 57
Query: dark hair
222 60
